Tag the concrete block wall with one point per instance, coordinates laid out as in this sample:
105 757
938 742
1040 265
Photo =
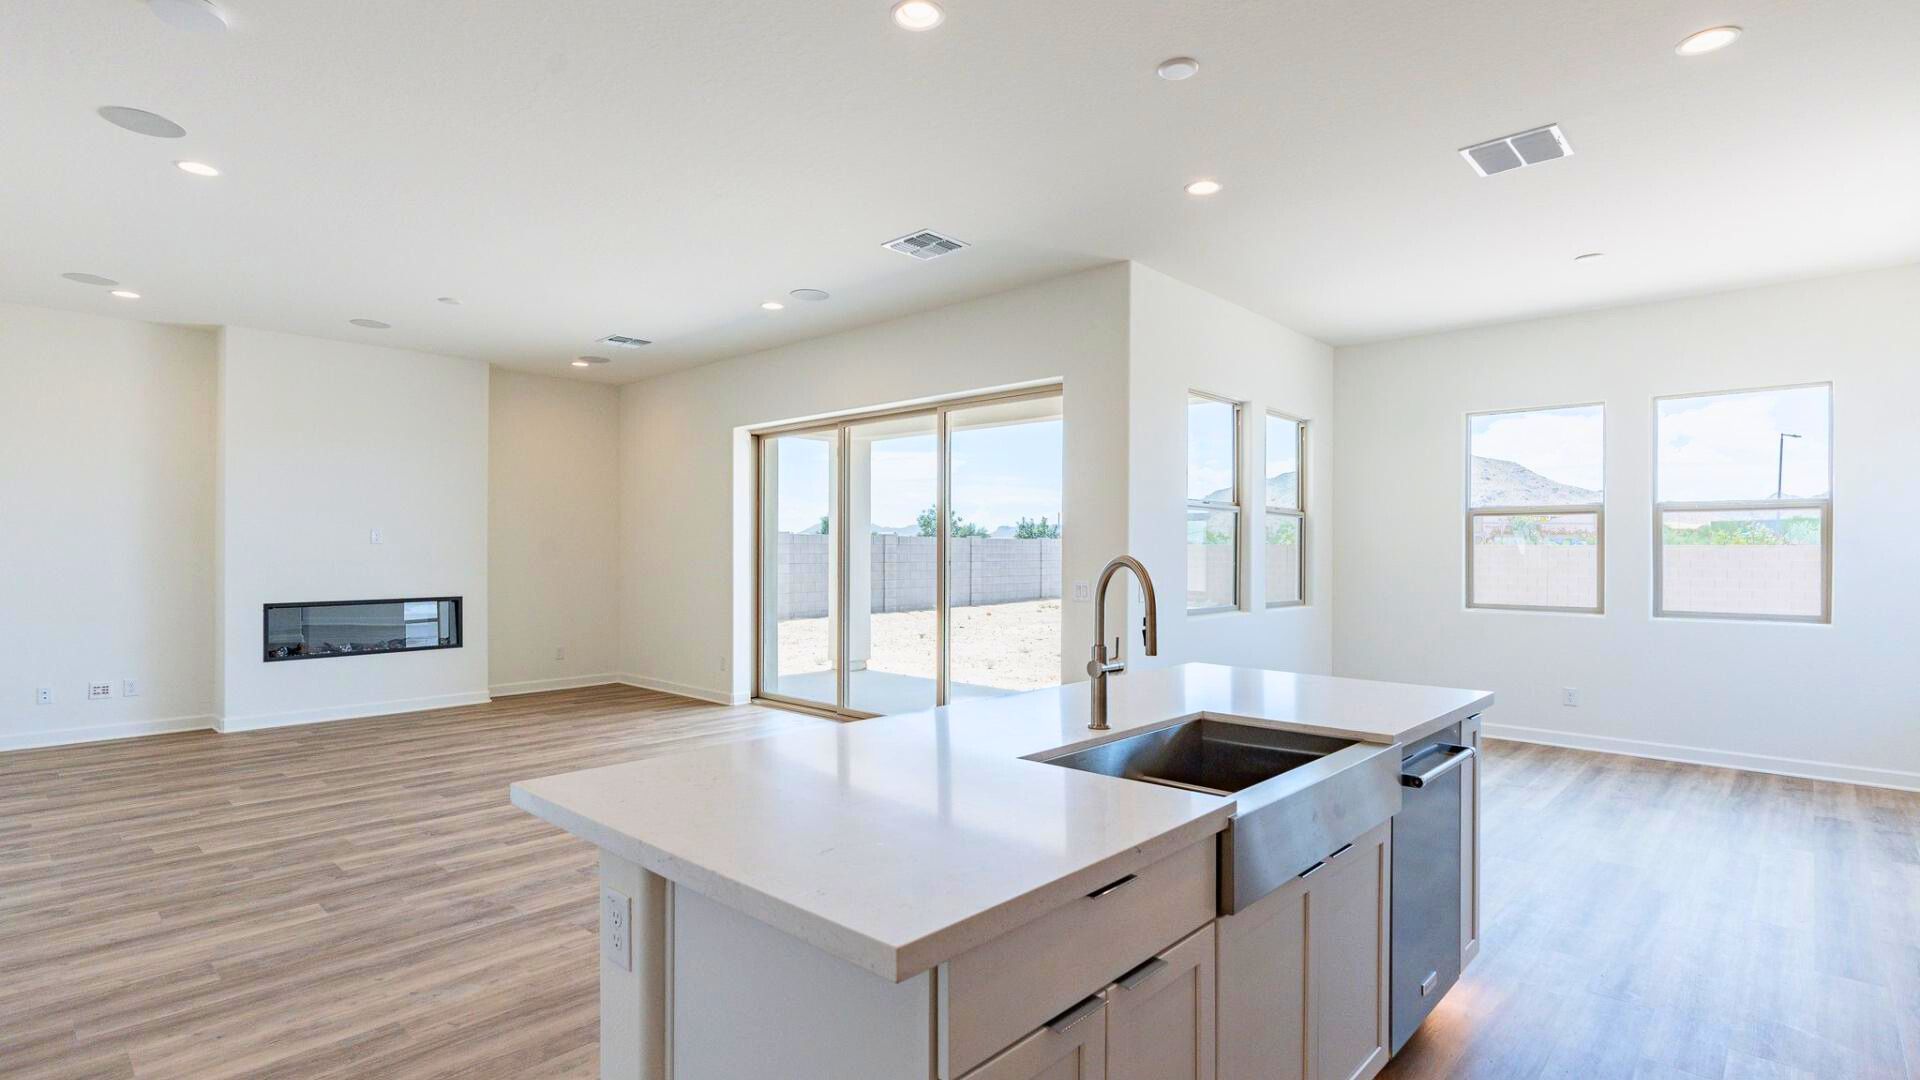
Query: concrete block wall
986 570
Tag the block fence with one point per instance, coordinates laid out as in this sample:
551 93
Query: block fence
986 570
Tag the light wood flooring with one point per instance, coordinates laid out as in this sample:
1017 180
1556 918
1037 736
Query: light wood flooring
359 900
1651 920
355 899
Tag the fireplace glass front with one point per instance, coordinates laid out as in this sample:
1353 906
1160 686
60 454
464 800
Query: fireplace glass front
360 627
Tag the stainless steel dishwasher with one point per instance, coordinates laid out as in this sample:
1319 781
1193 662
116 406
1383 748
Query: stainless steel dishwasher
1426 881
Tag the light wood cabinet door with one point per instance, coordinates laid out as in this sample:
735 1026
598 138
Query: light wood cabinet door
1470 843
1062 1051
1160 1016
1262 997
1348 913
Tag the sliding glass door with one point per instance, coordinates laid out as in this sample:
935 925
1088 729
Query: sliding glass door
799 575
936 531
893 613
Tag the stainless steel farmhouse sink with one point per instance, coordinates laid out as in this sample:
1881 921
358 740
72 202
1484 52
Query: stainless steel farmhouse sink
1297 796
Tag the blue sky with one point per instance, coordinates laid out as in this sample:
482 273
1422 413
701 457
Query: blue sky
1720 447
1000 474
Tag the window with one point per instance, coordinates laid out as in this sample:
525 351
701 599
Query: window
1743 514
854 615
1213 503
1535 514
1285 511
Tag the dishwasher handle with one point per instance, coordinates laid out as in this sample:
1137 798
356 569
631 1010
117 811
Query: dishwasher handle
1452 757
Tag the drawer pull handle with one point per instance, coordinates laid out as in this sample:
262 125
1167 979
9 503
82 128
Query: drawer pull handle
1141 974
1111 888
1072 1016
1314 869
1344 848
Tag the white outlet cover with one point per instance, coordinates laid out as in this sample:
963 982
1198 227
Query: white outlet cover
374 537
1082 591
43 695
616 928
130 688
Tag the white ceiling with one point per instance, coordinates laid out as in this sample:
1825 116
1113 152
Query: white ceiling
573 168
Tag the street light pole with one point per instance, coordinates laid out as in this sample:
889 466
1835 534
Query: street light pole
1780 467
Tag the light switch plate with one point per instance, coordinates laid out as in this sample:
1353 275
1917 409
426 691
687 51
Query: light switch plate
374 537
616 928
1082 591
43 695
99 689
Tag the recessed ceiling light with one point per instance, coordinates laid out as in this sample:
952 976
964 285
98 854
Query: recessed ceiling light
918 15
125 294
1179 68
91 279
141 122
1591 256
1204 187
589 361
1706 41
772 305
451 301
811 295
196 16
196 168
371 324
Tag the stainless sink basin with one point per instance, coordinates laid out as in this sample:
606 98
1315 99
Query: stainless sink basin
1298 797
1218 757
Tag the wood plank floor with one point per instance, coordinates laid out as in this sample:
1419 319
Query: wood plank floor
355 899
359 900
1645 919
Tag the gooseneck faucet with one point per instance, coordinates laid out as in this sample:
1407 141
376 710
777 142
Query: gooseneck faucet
1102 665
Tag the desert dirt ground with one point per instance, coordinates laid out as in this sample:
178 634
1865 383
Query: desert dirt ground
1007 646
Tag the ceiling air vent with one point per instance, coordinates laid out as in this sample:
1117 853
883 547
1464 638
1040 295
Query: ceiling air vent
621 341
1517 151
925 244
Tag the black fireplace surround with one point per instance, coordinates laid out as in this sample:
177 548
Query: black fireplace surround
329 628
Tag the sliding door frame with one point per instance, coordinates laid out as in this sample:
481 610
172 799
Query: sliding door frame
841 512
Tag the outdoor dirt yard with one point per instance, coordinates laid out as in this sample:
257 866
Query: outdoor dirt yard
1007 646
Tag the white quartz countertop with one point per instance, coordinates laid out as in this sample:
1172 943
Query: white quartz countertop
900 842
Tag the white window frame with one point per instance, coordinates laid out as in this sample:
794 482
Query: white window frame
1234 507
1598 510
1661 508
1299 515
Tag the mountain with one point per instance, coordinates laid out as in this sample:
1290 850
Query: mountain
1280 490
1498 482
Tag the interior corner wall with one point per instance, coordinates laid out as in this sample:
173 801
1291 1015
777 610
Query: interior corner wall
106 519
321 443
554 512
1183 338
1815 700
686 529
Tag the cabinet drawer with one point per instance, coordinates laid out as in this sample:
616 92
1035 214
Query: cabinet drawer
994 994
1075 1049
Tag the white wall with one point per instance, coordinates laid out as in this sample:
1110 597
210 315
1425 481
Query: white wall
686 529
106 517
1186 339
322 442
1815 700
554 513
1125 341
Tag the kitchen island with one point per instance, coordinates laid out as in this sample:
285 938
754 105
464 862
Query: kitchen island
931 895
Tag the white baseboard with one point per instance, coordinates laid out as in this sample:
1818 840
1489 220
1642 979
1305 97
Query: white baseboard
536 686
231 724
1699 755
69 736
698 693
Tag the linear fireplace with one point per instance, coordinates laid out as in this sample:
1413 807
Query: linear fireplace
360 627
